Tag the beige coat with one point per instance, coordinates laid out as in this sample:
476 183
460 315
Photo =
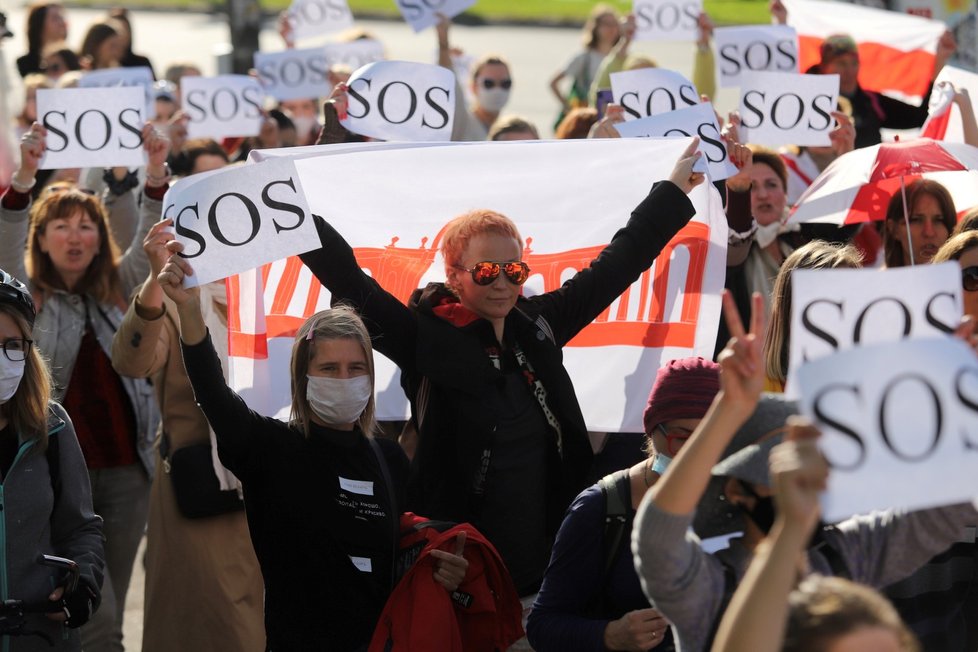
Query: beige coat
203 585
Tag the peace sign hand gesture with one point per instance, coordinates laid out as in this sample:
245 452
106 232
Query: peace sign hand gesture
742 361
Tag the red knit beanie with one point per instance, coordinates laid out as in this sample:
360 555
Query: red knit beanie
683 389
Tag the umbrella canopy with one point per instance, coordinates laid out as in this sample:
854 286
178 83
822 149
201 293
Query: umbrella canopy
857 186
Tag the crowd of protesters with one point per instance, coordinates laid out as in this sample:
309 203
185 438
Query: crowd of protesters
331 531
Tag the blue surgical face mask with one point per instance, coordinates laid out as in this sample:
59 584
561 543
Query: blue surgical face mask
661 463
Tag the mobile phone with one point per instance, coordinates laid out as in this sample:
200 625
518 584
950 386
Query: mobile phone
604 98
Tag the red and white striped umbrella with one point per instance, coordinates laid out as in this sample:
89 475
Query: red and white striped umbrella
857 186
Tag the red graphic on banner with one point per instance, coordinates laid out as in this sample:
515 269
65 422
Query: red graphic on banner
637 320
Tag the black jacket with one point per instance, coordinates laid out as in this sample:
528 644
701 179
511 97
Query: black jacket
446 373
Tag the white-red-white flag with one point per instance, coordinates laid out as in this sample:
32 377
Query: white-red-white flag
896 51
938 112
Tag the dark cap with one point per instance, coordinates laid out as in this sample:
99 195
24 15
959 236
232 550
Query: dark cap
683 389
16 294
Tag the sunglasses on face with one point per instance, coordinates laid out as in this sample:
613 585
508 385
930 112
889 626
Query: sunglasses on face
969 279
486 272
490 84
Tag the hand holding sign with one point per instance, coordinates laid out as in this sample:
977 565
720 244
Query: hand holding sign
173 277
32 146
157 147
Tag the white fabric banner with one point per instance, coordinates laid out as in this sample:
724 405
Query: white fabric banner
294 74
756 48
666 20
651 91
312 18
92 127
841 309
240 217
672 311
219 107
783 108
422 14
401 100
899 425
699 120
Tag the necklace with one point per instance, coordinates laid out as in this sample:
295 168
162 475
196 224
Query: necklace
647 475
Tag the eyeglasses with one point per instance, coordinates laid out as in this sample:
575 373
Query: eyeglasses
490 84
17 350
487 271
969 279
675 438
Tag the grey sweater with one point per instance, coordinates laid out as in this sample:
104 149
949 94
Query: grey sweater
687 585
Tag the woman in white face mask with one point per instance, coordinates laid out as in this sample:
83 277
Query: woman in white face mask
47 500
322 495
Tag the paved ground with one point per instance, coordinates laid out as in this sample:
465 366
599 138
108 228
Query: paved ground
535 54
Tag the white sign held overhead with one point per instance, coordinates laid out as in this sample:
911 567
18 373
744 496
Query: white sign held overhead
224 106
422 14
899 425
294 74
354 54
699 120
312 18
778 108
242 217
401 100
92 127
651 91
140 76
758 48
836 310
667 20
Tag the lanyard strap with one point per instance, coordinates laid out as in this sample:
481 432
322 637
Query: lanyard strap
540 392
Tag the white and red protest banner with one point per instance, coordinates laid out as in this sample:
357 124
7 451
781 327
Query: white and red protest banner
754 48
836 310
896 51
947 125
401 100
938 112
899 425
222 106
650 91
422 14
671 311
699 120
778 108
666 20
92 127
312 18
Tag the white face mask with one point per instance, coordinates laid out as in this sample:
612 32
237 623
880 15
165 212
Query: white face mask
10 375
492 99
338 401
768 233
304 124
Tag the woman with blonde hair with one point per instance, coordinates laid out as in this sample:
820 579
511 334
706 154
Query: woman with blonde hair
322 479
601 32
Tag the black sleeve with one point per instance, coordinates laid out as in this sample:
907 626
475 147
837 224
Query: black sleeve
392 325
631 251
398 465
900 115
241 432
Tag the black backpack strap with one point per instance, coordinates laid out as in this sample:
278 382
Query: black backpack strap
615 514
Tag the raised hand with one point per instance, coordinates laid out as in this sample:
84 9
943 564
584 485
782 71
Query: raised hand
154 244
843 137
743 160
339 99
605 128
778 12
450 569
636 631
741 362
798 475
32 146
683 175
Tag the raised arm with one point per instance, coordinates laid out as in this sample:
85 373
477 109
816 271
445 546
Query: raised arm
16 202
141 346
240 431
631 251
134 265
756 618
392 325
